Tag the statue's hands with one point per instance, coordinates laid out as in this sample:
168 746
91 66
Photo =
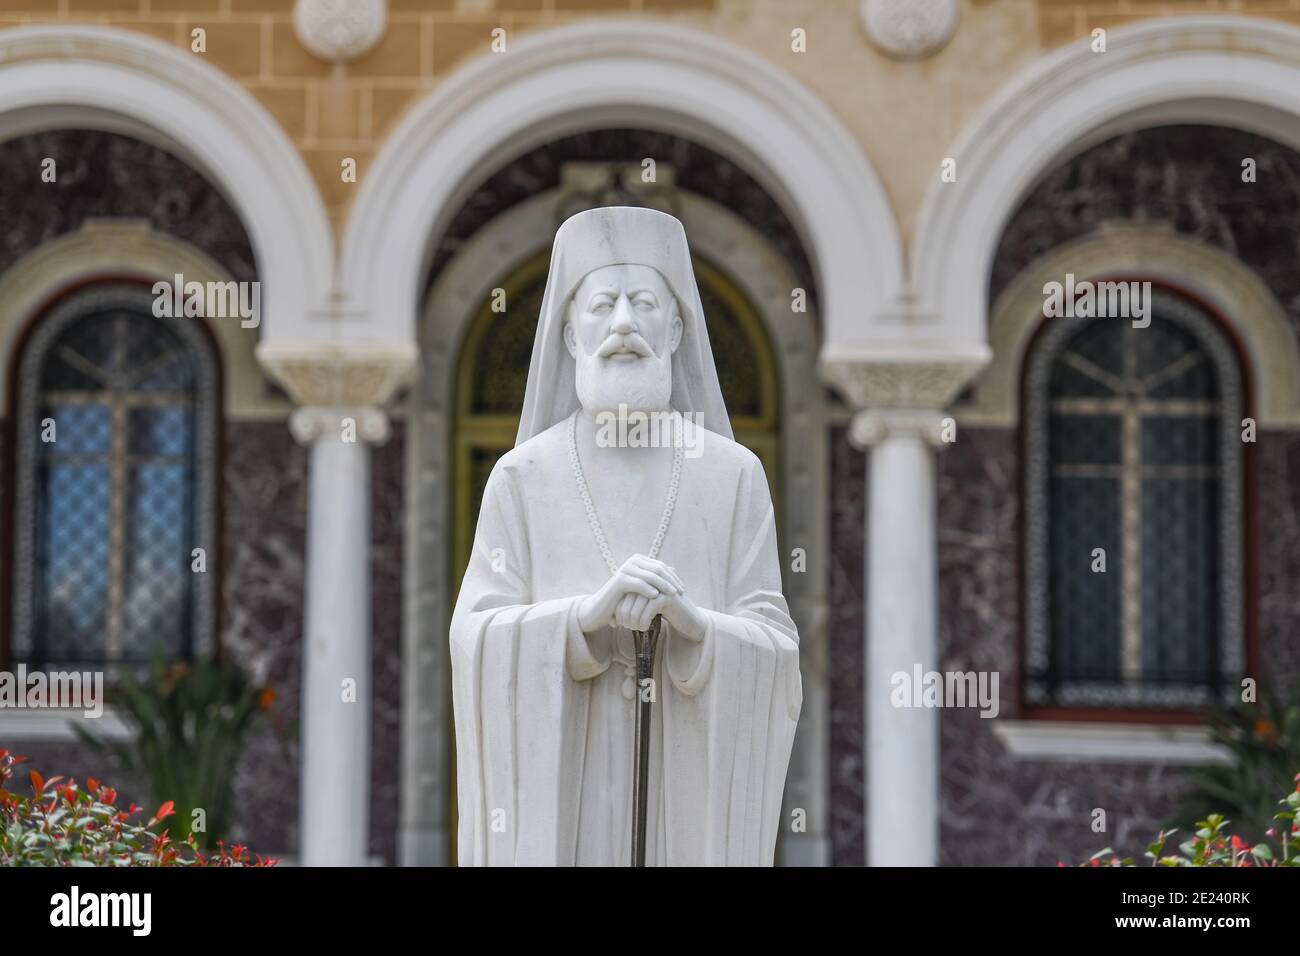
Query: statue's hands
638 577
635 612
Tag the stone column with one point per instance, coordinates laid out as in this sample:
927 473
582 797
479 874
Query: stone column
902 743
897 395
337 705
339 391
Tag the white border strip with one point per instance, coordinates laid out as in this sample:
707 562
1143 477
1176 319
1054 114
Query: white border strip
1095 742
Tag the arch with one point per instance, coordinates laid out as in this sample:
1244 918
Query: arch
1240 72
130 249
521 233
628 73
1155 252
62 76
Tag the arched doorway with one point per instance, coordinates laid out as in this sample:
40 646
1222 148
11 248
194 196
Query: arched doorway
594 76
474 365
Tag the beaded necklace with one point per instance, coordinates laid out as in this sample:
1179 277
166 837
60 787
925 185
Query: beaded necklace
592 518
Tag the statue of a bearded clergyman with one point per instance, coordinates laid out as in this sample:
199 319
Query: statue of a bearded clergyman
583 545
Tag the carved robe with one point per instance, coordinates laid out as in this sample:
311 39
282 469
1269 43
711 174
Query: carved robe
544 714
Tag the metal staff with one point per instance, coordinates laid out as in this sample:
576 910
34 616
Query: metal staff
647 643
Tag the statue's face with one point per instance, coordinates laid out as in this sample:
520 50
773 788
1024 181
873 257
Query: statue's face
623 328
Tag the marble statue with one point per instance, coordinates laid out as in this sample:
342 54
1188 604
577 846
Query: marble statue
586 534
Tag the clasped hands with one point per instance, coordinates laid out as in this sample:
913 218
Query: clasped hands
635 593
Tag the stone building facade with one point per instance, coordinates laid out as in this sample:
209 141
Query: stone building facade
877 195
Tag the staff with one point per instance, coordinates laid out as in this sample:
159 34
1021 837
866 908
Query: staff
646 643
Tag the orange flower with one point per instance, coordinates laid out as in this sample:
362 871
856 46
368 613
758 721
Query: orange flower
266 698
1266 730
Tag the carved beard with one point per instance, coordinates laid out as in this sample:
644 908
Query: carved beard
644 385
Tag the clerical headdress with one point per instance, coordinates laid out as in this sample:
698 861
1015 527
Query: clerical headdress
607 236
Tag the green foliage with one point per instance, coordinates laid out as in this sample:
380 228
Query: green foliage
1211 843
63 825
191 721
1264 742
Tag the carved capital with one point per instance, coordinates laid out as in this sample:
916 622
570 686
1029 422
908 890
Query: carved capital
312 423
333 376
869 428
879 380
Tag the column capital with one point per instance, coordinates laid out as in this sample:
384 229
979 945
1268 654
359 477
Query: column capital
311 423
873 426
893 378
333 376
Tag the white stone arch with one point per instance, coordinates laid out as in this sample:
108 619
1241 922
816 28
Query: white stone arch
1155 252
78 76
626 73
114 249
506 242
1239 72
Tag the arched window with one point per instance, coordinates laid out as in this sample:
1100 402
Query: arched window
1133 561
116 417
494 371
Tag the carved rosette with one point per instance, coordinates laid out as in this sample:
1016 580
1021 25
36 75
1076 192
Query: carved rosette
909 29
339 30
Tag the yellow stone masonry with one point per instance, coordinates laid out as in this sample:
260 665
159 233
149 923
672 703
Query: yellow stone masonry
906 115
1061 21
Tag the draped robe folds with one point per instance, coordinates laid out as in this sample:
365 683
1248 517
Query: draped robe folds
544 714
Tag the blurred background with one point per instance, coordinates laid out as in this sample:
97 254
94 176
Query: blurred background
876 195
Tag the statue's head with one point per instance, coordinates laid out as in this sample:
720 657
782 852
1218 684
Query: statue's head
621 323
624 324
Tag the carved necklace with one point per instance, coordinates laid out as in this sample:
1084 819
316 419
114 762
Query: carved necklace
592 519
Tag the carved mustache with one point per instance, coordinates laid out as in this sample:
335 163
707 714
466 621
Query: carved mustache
632 342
